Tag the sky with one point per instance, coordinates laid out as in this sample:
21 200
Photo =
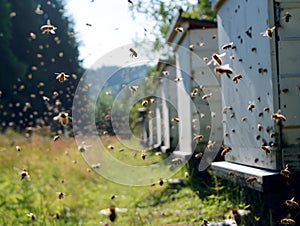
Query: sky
111 23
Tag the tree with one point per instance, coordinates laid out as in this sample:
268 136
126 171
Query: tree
163 12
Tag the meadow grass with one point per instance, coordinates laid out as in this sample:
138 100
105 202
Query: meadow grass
59 167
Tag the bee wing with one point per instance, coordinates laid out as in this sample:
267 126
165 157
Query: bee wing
57 77
56 117
222 54
209 62
48 22
104 212
121 210
67 76
52 31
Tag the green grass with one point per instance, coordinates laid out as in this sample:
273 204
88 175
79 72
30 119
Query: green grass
60 167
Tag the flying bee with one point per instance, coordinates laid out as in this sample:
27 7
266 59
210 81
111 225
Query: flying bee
192 47
205 223
287 17
60 195
177 79
161 182
18 148
165 73
38 10
194 92
179 29
251 106
145 103
24 173
198 138
133 53
227 45
244 119
129 1
266 109
174 119
56 138
216 58
223 70
236 78
199 155
266 149
46 98
278 116
61 77
225 151
268 32
63 118
251 180
206 96
111 212
177 161
143 155
287 221
285 172
186 174
32 216
83 147
48 28
210 144
133 89
111 147
259 127
291 202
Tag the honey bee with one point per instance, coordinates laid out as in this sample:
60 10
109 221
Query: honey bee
133 53
88 24
48 28
244 119
96 166
60 195
251 106
268 32
194 92
192 47
266 148
18 148
266 109
259 127
143 155
278 116
111 212
205 223
121 149
145 103
285 172
210 144
130 1
177 79
32 216
83 147
179 29
111 147
24 173
165 73
291 202
174 119
223 70
216 58
227 45
186 174
56 138
287 221
38 10
251 180
63 118
161 182
206 96
133 89
198 138
62 77
225 150
177 161
199 155
237 77
287 17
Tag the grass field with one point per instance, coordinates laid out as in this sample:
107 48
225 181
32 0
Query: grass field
59 167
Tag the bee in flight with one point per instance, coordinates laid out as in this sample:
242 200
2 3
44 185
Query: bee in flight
63 118
133 53
61 77
111 212
216 58
48 28
268 32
